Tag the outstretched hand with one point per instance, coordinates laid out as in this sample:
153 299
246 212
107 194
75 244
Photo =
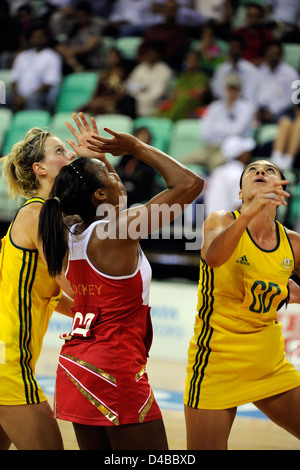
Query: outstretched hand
82 136
121 143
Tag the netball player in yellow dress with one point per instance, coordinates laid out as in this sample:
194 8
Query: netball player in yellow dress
236 355
28 295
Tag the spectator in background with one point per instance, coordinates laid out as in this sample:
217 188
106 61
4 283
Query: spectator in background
190 92
62 21
26 19
131 18
236 64
82 50
222 190
285 19
110 95
255 34
171 34
210 54
274 94
137 176
149 81
287 143
219 12
10 37
231 115
36 74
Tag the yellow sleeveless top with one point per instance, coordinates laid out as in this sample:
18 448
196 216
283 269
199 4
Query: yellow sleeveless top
28 297
236 355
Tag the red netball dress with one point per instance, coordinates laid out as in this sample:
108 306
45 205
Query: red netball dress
101 374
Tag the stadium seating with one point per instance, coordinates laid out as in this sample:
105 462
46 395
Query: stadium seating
5 120
21 123
128 46
160 128
185 138
116 122
266 133
292 55
75 90
8 207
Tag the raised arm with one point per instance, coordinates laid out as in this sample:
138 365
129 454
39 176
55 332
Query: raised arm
221 232
183 185
82 135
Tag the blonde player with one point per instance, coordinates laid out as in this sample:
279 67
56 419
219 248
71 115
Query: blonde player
28 295
236 355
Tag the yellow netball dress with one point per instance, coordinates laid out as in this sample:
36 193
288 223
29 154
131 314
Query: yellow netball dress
28 297
236 355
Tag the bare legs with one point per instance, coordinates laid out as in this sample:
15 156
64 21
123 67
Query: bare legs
210 429
29 427
145 436
287 143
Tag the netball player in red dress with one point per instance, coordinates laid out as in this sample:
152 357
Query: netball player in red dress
102 384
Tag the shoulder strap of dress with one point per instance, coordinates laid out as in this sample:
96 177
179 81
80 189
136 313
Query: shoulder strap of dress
34 199
235 214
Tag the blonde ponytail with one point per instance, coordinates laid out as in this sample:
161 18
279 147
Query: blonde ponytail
17 171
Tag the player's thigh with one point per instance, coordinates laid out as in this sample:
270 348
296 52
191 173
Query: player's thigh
31 427
5 442
91 437
141 436
284 410
208 429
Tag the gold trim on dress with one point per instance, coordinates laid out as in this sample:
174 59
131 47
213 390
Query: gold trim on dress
98 371
139 374
105 411
146 408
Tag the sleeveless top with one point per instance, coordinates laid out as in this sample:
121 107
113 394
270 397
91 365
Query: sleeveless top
237 353
101 376
28 296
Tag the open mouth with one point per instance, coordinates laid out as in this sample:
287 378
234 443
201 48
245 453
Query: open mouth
260 179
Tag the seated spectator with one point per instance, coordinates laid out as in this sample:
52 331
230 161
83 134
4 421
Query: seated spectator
286 147
190 93
284 19
10 37
232 115
149 81
110 95
235 63
82 50
137 176
131 18
223 185
26 20
255 34
210 54
274 91
219 12
62 22
170 34
36 74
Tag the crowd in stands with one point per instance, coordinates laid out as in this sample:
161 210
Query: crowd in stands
222 62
